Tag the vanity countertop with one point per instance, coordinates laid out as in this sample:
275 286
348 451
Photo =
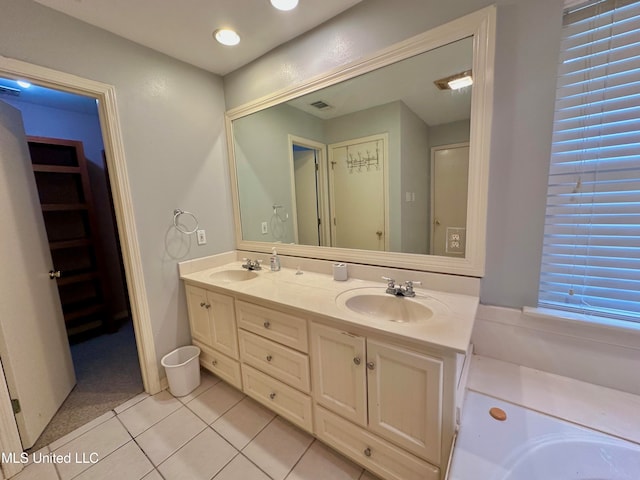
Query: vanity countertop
316 293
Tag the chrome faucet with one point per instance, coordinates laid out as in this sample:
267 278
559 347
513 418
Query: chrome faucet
252 264
405 290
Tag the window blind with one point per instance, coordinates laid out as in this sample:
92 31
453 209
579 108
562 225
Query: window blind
591 252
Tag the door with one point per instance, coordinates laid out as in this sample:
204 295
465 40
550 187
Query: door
405 399
358 193
33 342
338 372
449 184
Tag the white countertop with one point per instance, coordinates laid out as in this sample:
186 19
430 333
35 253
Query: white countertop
316 293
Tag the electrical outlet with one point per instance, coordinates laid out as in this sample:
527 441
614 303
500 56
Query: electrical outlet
202 237
265 228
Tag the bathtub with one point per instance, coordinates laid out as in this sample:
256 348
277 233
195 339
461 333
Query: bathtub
532 446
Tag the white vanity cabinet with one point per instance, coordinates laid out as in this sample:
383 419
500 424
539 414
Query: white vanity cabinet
390 395
275 363
213 329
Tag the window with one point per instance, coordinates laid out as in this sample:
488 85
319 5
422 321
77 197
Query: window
591 253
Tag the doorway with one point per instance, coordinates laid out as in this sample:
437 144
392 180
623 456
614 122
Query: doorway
309 203
78 214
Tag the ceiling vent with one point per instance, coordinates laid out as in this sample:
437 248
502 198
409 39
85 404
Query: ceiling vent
320 105
14 92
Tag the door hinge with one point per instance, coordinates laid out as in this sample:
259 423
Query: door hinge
15 404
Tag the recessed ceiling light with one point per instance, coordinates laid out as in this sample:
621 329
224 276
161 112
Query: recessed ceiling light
284 4
23 84
458 83
226 36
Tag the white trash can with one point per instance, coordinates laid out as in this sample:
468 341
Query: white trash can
183 370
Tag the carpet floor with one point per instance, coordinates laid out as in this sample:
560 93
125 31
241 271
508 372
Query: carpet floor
107 374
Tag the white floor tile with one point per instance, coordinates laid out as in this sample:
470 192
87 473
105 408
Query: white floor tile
201 458
241 469
167 436
128 462
148 412
38 471
243 422
131 402
79 431
101 440
320 458
277 448
213 403
207 380
153 475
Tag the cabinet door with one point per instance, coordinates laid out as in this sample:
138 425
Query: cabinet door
338 372
198 314
405 398
222 319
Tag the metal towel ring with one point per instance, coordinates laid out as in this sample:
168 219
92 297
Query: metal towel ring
176 213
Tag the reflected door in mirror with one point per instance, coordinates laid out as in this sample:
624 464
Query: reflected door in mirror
357 198
450 172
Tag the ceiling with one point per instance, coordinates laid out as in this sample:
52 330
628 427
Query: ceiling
183 28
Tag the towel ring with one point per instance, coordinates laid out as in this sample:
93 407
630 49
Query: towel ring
176 214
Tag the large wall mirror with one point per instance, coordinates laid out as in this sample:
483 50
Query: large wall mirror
384 162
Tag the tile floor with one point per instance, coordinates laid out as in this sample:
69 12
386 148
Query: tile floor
214 432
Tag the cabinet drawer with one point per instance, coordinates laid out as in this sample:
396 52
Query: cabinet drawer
224 367
282 399
279 327
281 362
370 451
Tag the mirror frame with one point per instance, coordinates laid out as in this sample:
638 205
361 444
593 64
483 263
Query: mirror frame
481 26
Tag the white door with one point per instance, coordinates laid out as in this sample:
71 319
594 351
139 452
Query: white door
33 341
358 193
449 185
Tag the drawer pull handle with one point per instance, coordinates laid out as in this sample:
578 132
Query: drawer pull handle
267 324
371 365
214 362
356 360
367 452
269 358
272 395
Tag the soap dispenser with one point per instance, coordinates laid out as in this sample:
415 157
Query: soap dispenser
275 260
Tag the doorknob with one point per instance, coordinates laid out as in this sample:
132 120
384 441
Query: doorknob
379 233
437 222
53 274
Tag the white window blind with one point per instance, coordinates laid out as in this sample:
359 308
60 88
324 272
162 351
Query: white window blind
591 253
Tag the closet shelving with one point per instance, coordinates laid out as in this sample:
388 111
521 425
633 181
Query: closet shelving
62 177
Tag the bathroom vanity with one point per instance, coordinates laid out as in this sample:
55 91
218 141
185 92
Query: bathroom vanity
376 376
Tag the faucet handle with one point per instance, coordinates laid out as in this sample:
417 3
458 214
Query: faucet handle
390 281
411 283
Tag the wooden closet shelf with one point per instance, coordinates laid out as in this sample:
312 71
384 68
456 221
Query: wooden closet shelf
62 244
77 278
83 312
63 207
55 169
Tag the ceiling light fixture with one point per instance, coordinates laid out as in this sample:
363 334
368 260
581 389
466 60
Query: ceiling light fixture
23 84
284 5
455 82
226 36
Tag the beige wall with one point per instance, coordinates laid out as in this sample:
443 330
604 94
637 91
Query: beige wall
172 123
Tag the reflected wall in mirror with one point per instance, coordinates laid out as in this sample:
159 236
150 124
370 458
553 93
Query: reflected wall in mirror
374 164
350 165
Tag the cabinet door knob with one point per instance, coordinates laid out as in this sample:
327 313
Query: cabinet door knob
269 358
267 324
208 305
367 452
371 365
272 395
214 362
202 304
356 360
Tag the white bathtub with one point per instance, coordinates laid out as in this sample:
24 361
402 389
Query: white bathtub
532 446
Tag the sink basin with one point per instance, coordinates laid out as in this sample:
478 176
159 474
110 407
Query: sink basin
233 275
376 304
